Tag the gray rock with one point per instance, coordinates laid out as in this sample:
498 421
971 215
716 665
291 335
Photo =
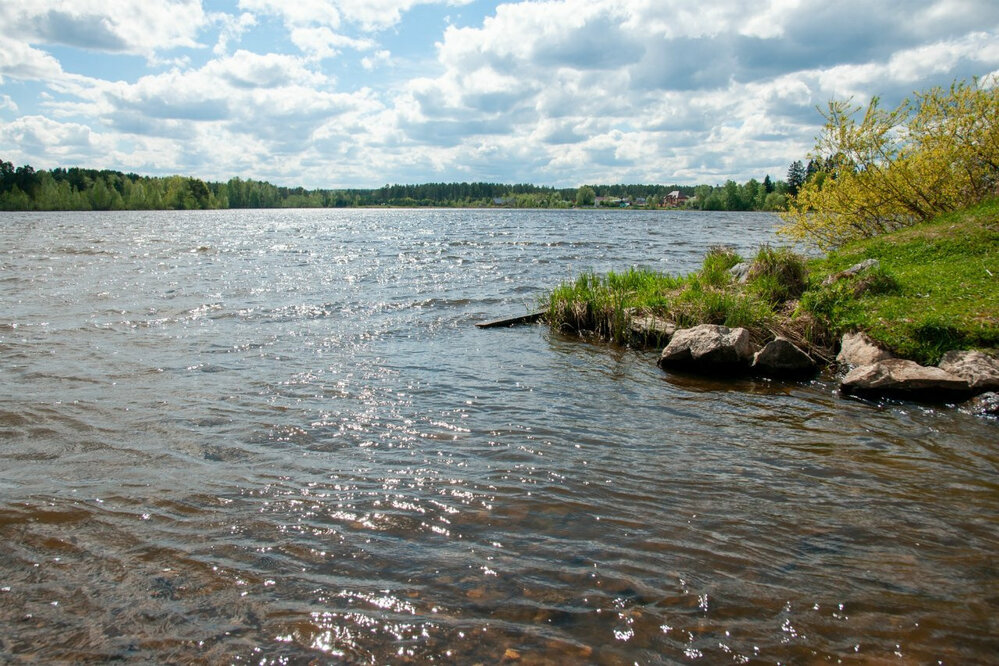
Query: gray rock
980 370
651 330
708 348
987 404
858 350
896 377
740 272
856 269
781 357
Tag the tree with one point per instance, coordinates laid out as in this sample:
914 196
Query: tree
890 169
585 196
796 176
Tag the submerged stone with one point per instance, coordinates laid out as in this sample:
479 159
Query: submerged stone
986 404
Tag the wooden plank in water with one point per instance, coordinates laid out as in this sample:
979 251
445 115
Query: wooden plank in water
528 318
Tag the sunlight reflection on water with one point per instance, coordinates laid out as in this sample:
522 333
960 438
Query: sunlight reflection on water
277 436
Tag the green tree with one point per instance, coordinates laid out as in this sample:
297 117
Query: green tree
796 176
585 196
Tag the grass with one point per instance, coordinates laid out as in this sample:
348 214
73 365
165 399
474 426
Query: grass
936 288
603 306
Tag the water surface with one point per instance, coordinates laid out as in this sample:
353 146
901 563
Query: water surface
277 437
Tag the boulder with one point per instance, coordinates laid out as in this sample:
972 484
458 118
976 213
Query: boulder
987 404
980 370
650 330
856 269
781 357
857 350
708 348
896 377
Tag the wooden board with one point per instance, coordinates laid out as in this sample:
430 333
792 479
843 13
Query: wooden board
528 318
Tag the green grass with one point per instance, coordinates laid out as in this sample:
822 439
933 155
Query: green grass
602 306
936 289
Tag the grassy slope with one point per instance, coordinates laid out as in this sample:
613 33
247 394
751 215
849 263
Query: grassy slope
946 294
937 289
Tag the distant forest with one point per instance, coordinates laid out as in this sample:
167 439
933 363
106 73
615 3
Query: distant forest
24 188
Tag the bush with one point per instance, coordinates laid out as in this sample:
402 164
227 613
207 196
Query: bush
892 169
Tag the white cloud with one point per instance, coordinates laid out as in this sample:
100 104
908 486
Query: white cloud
554 91
130 26
369 14
323 43
231 29
18 60
62 141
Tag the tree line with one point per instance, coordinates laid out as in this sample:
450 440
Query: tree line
24 188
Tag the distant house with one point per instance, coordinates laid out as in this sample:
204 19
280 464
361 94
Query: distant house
675 198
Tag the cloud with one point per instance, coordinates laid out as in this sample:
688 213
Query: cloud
370 15
129 26
231 29
31 134
336 92
323 43
18 60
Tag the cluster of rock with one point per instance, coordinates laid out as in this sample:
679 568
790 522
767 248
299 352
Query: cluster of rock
712 349
872 371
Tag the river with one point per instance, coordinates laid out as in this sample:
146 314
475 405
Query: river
278 437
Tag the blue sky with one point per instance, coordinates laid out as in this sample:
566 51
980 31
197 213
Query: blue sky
360 93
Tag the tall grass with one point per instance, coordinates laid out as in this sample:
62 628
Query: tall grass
603 306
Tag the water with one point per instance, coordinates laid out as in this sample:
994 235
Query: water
277 437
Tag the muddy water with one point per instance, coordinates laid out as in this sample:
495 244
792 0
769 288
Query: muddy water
277 437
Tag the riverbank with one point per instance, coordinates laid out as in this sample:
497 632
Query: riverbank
917 293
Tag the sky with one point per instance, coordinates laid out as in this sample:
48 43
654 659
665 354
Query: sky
363 93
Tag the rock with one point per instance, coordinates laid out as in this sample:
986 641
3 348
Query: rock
650 330
781 357
857 350
896 377
856 269
708 348
987 404
980 370
740 272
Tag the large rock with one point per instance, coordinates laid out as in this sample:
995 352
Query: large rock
708 348
857 350
781 357
980 370
896 377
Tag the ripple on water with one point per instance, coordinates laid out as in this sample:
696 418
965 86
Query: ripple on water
276 436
